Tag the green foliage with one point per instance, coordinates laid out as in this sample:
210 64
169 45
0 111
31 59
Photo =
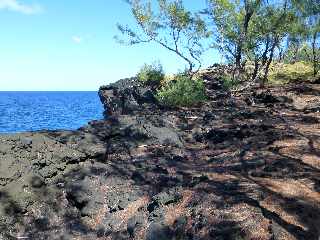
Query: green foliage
299 52
261 31
151 75
169 24
234 22
226 23
229 82
256 31
182 91
285 73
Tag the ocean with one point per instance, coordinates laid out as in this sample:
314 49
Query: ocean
31 111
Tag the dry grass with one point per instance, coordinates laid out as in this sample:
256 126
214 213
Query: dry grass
173 212
290 188
130 211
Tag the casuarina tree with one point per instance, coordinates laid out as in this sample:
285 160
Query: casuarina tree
172 26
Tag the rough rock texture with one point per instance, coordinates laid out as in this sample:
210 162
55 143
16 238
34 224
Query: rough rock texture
242 166
125 97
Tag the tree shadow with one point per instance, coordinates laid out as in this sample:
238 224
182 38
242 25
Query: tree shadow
227 182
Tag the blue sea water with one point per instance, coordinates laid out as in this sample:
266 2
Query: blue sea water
30 111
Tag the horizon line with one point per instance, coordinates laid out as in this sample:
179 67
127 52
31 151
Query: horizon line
67 90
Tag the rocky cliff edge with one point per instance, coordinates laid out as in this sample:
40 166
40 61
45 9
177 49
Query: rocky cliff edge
241 166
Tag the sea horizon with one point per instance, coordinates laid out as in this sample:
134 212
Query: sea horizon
48 91
25 111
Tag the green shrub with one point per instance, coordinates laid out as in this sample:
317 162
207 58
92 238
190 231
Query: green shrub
151 75
182 91
286 73
302 54
229 82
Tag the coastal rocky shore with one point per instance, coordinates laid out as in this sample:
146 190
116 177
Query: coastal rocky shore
243 165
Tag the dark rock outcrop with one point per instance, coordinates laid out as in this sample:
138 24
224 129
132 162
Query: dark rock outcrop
125 97
223 170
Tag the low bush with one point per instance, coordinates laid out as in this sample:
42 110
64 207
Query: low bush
229 82
286 73
151 75
167 78
182 91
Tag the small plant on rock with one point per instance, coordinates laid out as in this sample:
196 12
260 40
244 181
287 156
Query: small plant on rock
183 91
151 75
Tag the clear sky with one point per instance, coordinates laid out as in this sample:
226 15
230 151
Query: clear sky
69 45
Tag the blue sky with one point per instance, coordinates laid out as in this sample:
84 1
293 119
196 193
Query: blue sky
69 45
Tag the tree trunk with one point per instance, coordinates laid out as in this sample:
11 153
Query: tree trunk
264 55
264 59
256 69
266 73
314 39
243 35
190 70
238 55
281 54
295 55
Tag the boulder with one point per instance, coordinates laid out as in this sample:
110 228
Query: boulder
125 97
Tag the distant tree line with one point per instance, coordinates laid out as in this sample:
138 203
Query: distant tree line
246 32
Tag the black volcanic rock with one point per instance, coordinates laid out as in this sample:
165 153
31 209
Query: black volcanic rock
125 97
222 170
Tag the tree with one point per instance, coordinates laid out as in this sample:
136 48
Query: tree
170 25
303 43
246 31
252 30
315 33
281 19
312 13
232 19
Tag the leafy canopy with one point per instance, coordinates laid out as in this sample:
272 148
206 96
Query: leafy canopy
169 24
